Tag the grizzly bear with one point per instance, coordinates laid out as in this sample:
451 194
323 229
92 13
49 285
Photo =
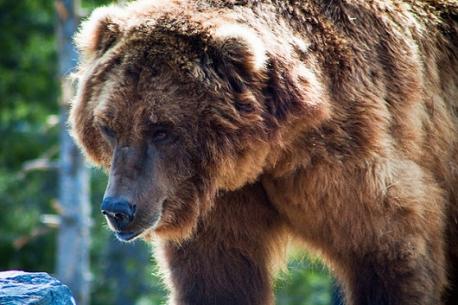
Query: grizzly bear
230 127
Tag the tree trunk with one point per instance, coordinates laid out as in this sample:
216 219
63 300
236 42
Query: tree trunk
73 240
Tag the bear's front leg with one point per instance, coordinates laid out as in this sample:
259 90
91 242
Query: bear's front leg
404 261
229 259
397 276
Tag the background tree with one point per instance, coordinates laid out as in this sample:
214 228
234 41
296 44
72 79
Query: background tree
73 238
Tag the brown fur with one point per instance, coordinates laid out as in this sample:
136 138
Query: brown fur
236 125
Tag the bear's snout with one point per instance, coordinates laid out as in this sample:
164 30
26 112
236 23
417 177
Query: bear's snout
119 212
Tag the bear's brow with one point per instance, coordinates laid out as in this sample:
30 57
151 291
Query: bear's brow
102 117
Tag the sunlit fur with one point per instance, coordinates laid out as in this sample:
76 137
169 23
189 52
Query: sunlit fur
331 122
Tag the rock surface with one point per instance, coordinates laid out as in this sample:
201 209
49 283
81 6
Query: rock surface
24 288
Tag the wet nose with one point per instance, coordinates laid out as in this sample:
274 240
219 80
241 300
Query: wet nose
119 212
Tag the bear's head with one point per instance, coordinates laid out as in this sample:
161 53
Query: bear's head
178 105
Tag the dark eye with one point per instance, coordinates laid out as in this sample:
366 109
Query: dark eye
160 135
108 132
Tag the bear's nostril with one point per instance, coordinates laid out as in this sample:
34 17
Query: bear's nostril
119 217
119 212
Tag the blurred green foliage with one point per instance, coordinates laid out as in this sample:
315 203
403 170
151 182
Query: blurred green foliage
305 282
28 100
29 91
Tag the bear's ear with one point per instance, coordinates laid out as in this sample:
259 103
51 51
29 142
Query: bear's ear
99 32
239 55
241 45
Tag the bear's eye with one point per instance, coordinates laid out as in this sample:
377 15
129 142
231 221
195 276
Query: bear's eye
159 135
108 132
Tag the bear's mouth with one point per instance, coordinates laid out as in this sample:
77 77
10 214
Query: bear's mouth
131 235
127 236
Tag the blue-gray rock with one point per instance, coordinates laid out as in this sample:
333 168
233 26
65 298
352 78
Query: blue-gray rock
37 288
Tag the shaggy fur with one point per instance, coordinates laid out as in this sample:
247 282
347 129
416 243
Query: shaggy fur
233 126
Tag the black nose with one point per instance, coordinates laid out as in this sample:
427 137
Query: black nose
119 212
